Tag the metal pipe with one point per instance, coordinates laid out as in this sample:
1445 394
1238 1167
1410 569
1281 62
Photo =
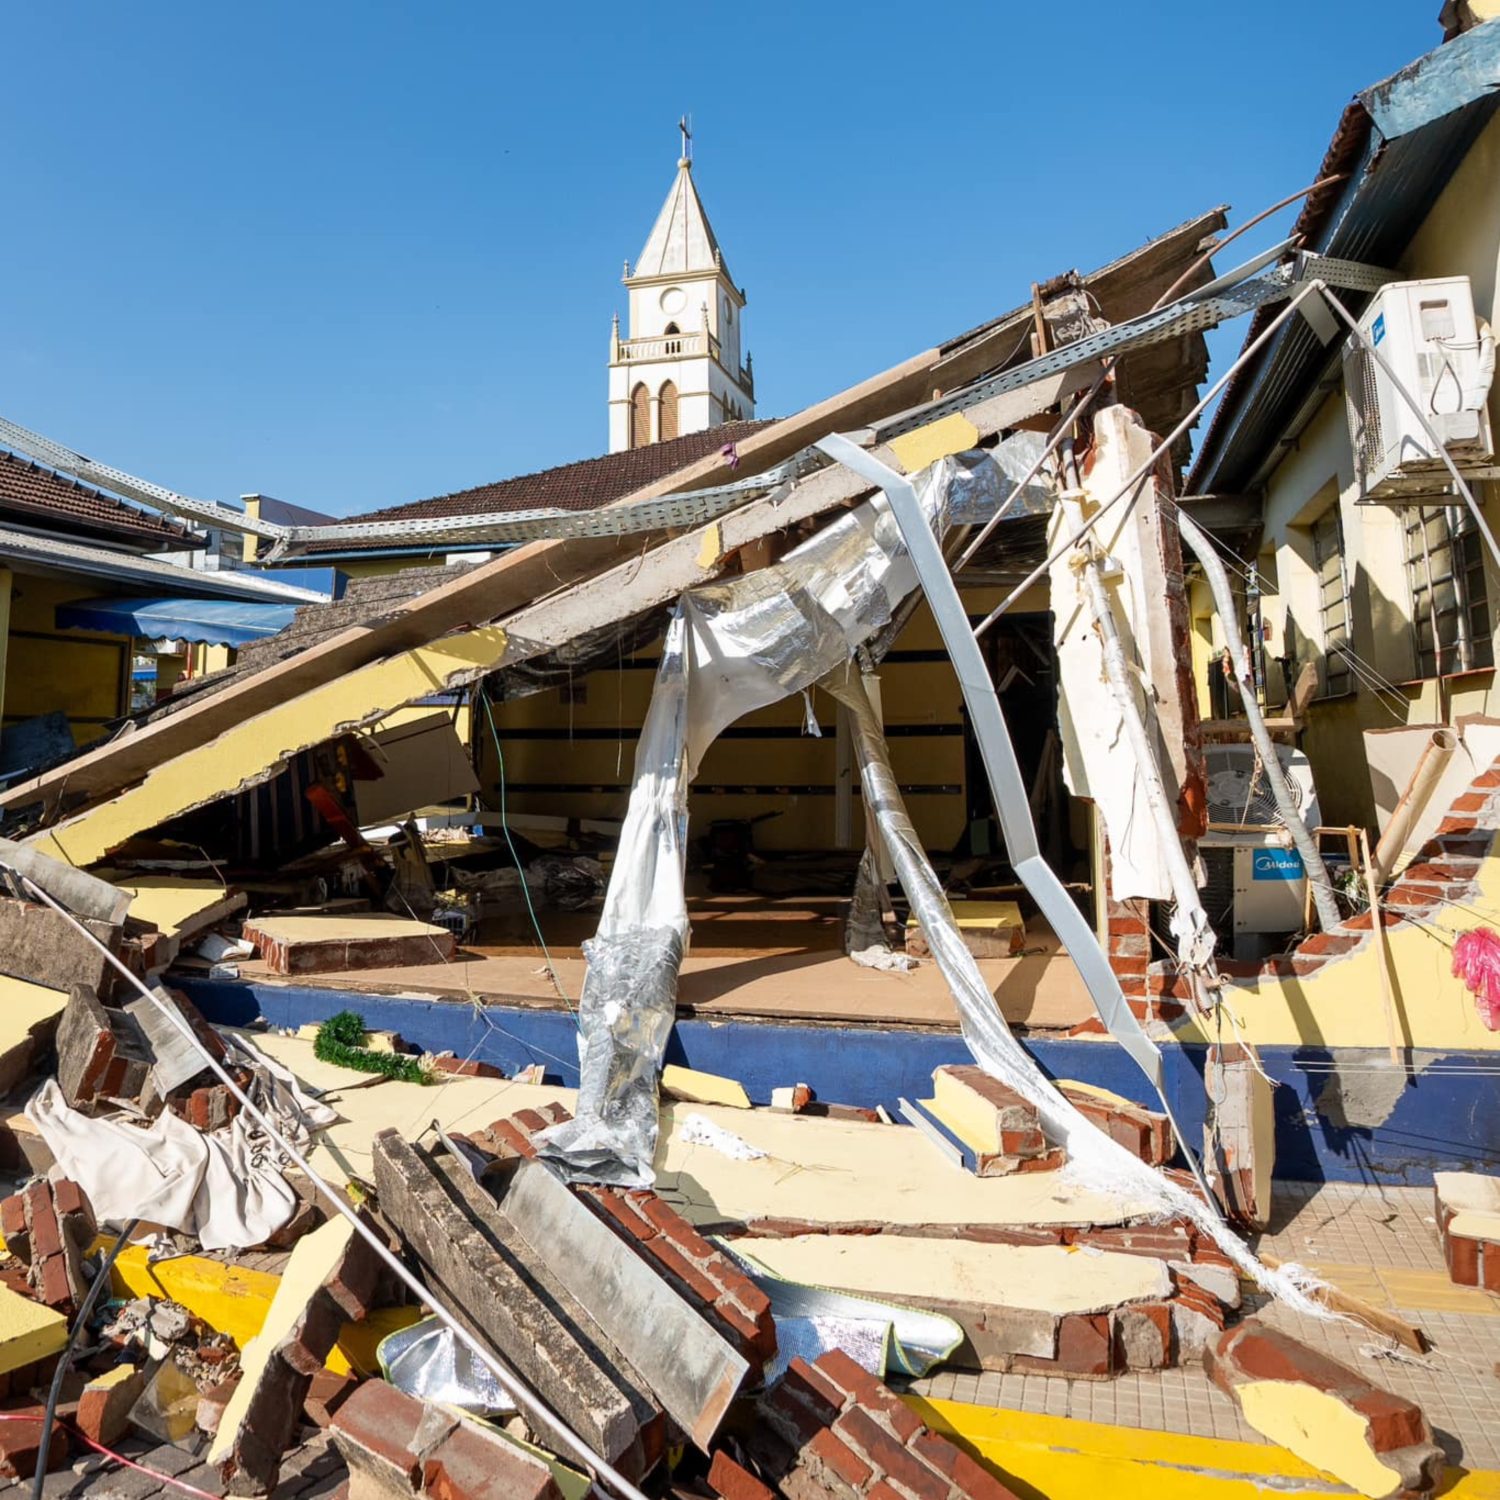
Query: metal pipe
1424 779
532 1407
1286 806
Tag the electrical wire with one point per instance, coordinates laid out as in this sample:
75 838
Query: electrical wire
1137 479
65 1359
536 1411
525 887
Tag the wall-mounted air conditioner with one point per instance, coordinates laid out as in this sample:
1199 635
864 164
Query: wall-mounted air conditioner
1256 885
1444 356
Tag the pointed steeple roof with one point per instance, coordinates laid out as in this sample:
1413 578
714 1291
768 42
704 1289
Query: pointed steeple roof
681 241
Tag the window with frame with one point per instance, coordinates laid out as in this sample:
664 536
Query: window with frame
1450 602
1333 601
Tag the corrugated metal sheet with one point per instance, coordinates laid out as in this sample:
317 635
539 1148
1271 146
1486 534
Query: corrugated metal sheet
214 622
1431 112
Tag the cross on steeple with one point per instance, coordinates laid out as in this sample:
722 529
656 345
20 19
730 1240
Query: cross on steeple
686 127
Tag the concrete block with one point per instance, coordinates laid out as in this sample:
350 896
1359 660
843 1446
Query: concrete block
40 945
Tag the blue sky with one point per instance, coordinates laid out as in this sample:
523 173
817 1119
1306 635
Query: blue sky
352 254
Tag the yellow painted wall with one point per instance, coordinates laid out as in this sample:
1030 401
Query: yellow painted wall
82 673
1461 236
588 745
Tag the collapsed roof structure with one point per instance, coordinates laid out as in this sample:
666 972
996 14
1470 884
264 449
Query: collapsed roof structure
713 1325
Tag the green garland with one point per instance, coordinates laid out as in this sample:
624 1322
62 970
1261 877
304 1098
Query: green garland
341 1040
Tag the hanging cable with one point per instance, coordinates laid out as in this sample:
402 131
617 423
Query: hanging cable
536 1411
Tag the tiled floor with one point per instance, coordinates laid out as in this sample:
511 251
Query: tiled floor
1386 1236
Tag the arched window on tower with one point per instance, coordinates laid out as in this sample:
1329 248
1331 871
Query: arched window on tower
640 417
668 412
673 335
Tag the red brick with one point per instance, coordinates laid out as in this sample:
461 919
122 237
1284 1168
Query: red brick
867 1436
13 1215
383 1423
1084 1344
678 1230
810 1385
1469 802
53 1285
327 1393
846 1374
733 1481
1128 965
896 1414
842 1459
466 1067
21 1442
677 1264
470 1465
798 1420
46 1237
67 1198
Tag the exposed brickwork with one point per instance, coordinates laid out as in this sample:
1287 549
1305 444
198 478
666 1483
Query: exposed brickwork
1395 1429
1444 871
48 1228
21 1441
397 1445
1141 1131
832 1429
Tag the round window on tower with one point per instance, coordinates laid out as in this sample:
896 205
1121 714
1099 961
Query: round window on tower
673 300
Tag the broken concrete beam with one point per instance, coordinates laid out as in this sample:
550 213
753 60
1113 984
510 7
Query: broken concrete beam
1239 1134
1467 1210
83 894
43 946
1141 1131
832 1431
709 1281
686 1363
332 1275
507 1297
1374 1441
101 1053
174 909
104 1404
396 1445
351 940
998 1131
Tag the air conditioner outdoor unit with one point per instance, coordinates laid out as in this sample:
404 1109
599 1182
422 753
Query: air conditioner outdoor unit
1445 357
1256 883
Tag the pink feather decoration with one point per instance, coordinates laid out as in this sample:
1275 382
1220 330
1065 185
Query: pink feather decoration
1476 960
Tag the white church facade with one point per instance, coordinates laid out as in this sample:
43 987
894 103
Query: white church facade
679 369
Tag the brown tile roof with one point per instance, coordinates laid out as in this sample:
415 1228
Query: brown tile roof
30 493
585 485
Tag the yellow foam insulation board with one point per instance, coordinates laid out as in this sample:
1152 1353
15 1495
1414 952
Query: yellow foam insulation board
824 1171
849 1172
982 916
1475 1198
968 1115
1320 1429
234 1301
693 1087
24 1006
175 904
28 1331
1066 1459
1046 1278
953 434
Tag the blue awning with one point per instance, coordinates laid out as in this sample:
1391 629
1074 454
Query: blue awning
214 622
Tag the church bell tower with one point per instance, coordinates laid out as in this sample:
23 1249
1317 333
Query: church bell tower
679 369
